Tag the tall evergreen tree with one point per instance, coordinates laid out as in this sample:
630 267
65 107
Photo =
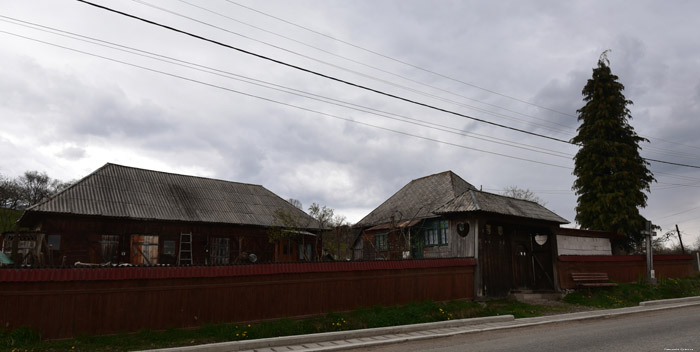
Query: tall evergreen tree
611 176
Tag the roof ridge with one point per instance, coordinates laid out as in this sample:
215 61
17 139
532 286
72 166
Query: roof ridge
179 197
476 201
505 196
176 174
439 173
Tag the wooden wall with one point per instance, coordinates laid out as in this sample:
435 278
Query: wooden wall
80 238
623 268
62 303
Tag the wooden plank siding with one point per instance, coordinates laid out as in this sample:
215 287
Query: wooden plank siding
84 238
77 301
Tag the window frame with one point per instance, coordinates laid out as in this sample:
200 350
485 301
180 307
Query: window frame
220 251
436 233
381 241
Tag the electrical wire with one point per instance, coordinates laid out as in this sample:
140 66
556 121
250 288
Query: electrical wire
318 73
405 63
287 104
374 78
678 213
428 70
269 85
122 47
342 57
345 81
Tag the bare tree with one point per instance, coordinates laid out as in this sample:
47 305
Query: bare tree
10 193
35 186
286 229
525 194
296 203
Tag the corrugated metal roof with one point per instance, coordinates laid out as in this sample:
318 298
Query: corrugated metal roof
474 200
418 199
127 192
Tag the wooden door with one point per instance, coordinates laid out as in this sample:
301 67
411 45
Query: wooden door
495 263
144 250
532 261
542 261
522 263
417 244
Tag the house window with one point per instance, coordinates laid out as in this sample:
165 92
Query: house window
381 241
109 245
55 242
436 233
220 253
169 248
305 254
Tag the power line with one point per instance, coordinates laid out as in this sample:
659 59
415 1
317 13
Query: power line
374 78
567 128
318 73
672 163
281 88
359 62
347 82
678 213
427 70
404 62
505 142
287 104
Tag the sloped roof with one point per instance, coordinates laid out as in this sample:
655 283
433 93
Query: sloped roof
474 200
127 192
418 199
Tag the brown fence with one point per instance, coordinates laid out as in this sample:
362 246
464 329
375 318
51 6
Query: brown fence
62 303
623 268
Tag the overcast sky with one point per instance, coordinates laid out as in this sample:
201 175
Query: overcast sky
516 63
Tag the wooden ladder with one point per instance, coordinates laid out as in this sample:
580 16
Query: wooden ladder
184 256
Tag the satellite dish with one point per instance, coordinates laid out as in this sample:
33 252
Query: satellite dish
252 257
463 229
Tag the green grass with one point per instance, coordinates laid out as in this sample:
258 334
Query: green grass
627 295
370 317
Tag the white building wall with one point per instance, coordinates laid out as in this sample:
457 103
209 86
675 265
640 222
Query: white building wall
571 245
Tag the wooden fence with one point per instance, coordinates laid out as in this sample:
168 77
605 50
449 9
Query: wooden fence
623 268
65 302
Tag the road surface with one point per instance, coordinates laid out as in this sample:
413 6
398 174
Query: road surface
665 330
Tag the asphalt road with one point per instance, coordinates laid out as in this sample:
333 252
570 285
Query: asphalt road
666 330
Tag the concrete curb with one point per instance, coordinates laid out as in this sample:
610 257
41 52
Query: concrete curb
670 301
518 323
334 336
343 340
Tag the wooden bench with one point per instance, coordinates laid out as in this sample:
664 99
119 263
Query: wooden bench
592 280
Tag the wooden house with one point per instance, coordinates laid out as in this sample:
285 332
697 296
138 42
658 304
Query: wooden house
442 215
122 214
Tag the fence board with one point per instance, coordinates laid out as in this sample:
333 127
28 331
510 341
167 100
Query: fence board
629 268
113 300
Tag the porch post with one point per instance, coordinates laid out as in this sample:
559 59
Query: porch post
477 269
555 259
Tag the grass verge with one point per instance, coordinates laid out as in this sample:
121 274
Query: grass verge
362 318
627 295
371 317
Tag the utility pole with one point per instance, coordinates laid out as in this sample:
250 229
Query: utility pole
650 256
680 239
